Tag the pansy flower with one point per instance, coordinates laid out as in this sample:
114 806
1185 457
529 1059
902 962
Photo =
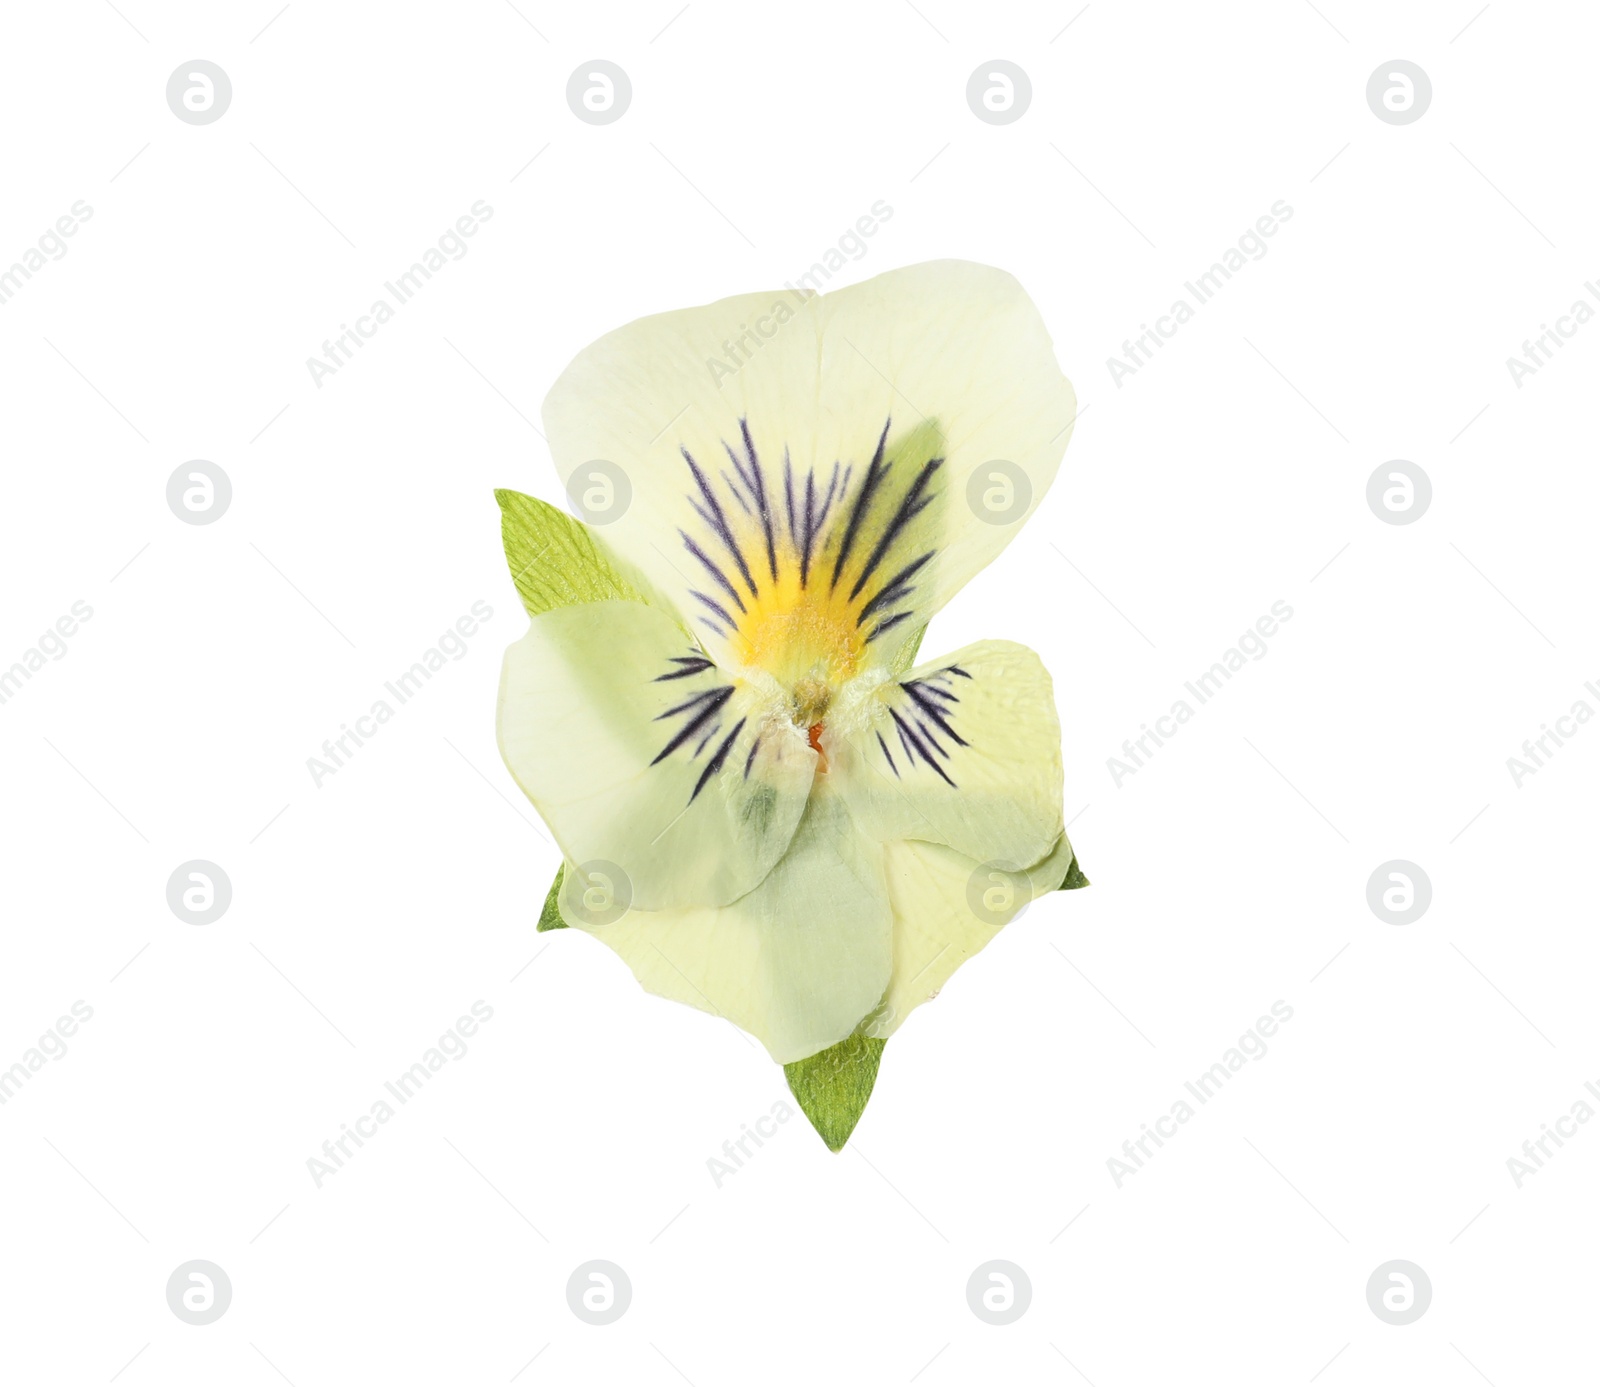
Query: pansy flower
766 805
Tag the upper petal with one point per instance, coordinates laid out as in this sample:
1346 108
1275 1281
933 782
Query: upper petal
798 962
641 754
830 468
963 751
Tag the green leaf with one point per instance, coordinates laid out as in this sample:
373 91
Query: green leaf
550 916
555 560
1074 878
832 1086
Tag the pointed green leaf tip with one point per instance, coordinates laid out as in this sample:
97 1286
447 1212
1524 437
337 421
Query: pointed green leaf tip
1073 880
550 916
832 1086
555 561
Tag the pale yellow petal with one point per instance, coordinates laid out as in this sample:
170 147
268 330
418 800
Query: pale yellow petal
797 962
946 908
829 469
642 755
963 751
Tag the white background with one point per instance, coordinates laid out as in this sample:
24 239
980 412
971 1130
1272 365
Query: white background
1228 873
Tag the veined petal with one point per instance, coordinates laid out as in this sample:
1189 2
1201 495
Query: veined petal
947 907
963 751
814 477
797 962
640 753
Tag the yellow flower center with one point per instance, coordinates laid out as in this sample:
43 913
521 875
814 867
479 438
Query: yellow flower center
801 575
806 638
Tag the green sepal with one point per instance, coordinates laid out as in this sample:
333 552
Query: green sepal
550 916
555 560
1074 877
832 1086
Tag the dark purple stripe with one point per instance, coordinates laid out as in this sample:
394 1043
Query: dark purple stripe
714 605
689 703
911 506
805 549
922 751
691 667
885 748
932 741
695 723
869 484
788 498
758 484
895 588
737 494
715 728
717 520
933 712
715 763
888 625
713 570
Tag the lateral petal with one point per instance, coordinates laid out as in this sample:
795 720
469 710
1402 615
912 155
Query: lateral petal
640 753
963 751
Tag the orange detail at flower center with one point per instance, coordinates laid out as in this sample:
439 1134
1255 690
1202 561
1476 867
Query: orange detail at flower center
813 735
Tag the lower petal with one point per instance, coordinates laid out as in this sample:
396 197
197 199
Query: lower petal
946 908
797 962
